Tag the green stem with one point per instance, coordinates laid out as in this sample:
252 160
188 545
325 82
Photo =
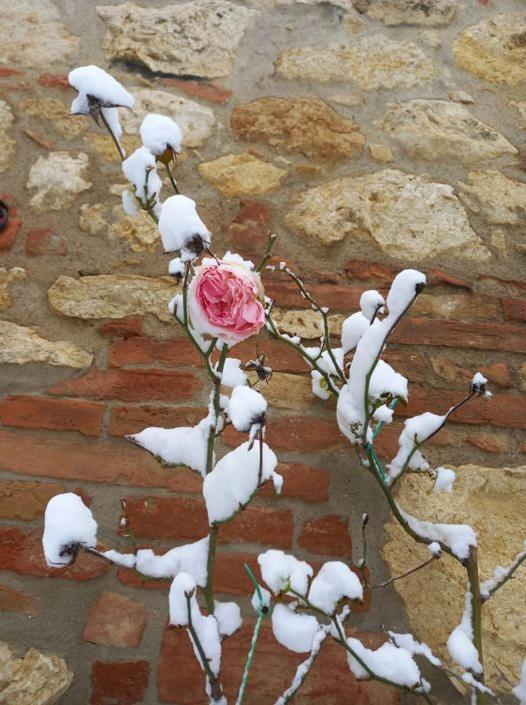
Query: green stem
210 563
115 140
215 686
270 244
171 177
472 570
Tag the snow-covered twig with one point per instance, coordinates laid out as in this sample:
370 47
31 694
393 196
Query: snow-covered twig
304 668
501 575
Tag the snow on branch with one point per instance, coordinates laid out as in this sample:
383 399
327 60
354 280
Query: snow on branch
501 575
68 527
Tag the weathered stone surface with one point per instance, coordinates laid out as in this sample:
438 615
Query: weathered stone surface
242 175
491 500
7 145
112 296
286 391
105 146
408 216
371 62
35 679
428 13
198 38
92 218
139 231
306 125
437 130
196 121
305 323
521 109
501 201
32 35
57 114
381 152
494 49
58 178
7 276
19 344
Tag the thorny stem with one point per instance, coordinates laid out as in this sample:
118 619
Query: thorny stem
407 573
215 685
171 177
113 137
270 244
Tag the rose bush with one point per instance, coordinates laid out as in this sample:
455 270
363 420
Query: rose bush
225 300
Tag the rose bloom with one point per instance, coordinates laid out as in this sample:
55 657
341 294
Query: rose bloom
225 301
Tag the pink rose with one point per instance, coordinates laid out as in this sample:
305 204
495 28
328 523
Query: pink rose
225 300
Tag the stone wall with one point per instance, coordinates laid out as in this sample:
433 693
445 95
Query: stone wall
370 135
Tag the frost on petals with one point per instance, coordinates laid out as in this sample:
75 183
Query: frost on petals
68 525
181 228
283 572
334 581
293 630
389 662
235 478
246 408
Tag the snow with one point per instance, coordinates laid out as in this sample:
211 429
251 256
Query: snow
68 523
416 431
500 572
233 375
460 643
444 480
334 581
459 538
234 480
129 204
409 643
304 667
283 572
351 413
93 81
324 360
371 301
247 407
355 325
158 132
176 267
185 445
179 223
190 558
294 631
385 380
434 548
111 115
139 169
265 599
206 628
228 615
389 662
520 689
383 414
319 385
229 258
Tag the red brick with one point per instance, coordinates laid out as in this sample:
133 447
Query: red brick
281 357
52 414
438 277
409 364
340 297
498 373
6 71
302 482
25 500
488 442
186 519
327 535
358 269
132 419
454 334
115 620
130 385
501 410
201 90
119 682
45 242
143 351
16 601
132 578
123 328
252 211
514 309
296 433
180 679
21 552
110 463
54 80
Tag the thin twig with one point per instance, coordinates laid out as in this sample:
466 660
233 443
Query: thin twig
408 572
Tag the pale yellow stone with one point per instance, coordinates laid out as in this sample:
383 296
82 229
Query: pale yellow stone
198 38
58 178
139 231
106 147
57 114
426 13
381 152
407 216
242 175
492 501
371 62
501 201
19 344
498 240
521 108
494 49
351 100
456 307
35 679
112 296
305 323
7 277
32 35
92 218
7 144
460 97
287 391
439 130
